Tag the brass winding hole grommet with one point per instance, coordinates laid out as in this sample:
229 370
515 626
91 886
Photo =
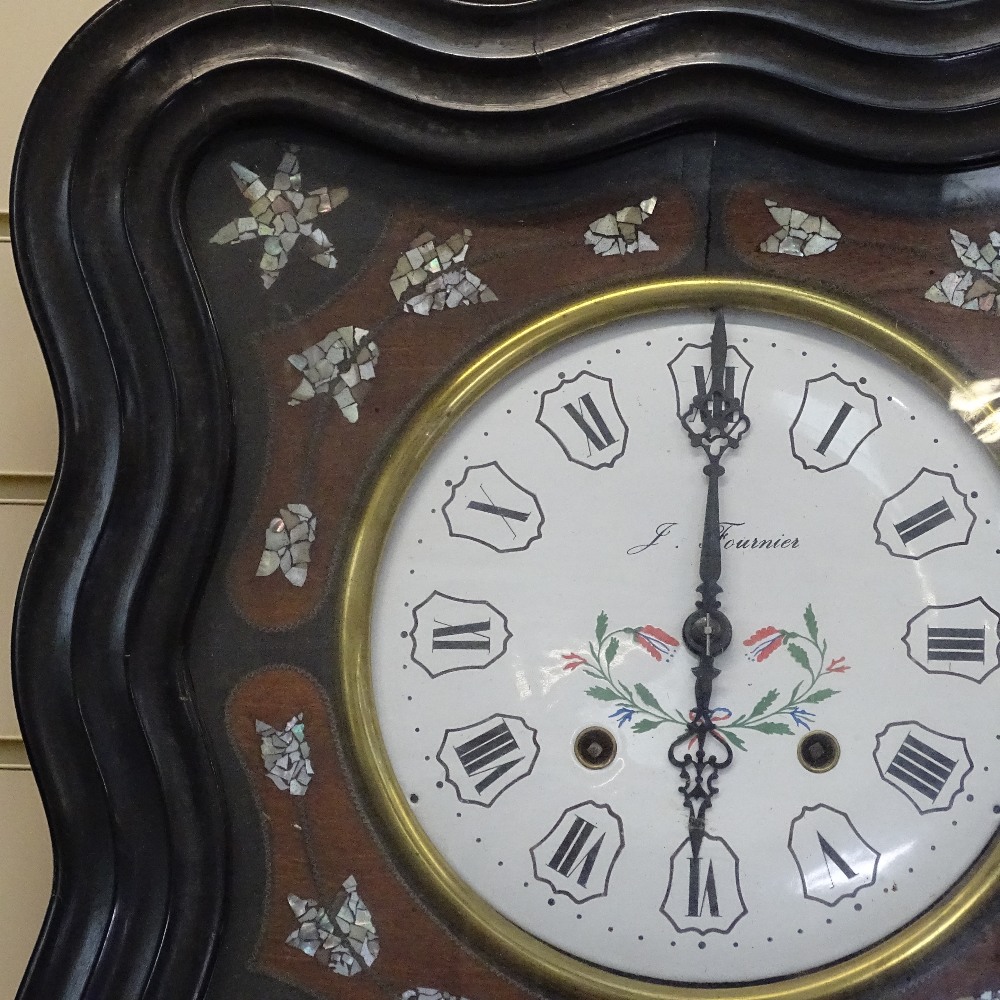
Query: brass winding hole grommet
818 751
595 747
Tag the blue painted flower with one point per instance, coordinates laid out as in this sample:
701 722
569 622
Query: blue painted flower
800 715
623 714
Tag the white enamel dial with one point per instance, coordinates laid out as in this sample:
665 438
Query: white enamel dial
534 585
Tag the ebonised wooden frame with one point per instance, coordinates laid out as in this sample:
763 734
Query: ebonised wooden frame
138 822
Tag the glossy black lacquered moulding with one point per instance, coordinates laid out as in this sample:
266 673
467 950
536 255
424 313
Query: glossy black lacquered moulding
138 815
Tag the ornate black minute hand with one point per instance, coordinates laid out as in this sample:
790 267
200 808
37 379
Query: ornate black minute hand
715 422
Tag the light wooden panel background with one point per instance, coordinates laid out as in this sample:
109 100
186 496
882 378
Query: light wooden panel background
28 446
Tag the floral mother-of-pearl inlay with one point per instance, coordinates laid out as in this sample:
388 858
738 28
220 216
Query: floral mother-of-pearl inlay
287 543
431 271
618 233
346 942
286 754
427 993
974 289
801 234
341 362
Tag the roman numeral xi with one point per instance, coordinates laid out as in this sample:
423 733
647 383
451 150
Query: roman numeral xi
595 428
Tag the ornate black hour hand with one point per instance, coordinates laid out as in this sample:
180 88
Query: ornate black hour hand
715 422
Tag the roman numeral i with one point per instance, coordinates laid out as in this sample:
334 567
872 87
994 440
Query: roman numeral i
833 429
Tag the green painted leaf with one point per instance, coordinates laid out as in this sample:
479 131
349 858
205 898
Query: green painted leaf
602 625
773 728
765 703
810 620
646 725
817 696
799 655
734 739
612 651
647 696
602 694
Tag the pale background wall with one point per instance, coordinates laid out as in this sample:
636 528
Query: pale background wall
28 444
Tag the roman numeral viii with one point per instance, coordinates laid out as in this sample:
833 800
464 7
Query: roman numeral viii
484 755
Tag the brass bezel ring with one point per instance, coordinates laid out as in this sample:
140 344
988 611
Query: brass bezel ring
464 910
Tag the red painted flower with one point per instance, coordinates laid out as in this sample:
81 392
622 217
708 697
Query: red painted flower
838 666
656 642
763 643
575 660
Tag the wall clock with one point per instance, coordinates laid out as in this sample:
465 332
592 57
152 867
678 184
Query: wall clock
549 769
527 517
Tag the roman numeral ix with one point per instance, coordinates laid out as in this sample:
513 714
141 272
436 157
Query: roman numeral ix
444 636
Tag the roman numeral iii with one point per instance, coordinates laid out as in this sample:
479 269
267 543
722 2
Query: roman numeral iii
960 640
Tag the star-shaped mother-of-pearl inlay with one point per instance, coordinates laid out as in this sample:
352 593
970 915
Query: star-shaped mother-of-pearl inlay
282 216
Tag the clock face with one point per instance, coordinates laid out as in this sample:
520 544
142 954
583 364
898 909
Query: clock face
528 671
